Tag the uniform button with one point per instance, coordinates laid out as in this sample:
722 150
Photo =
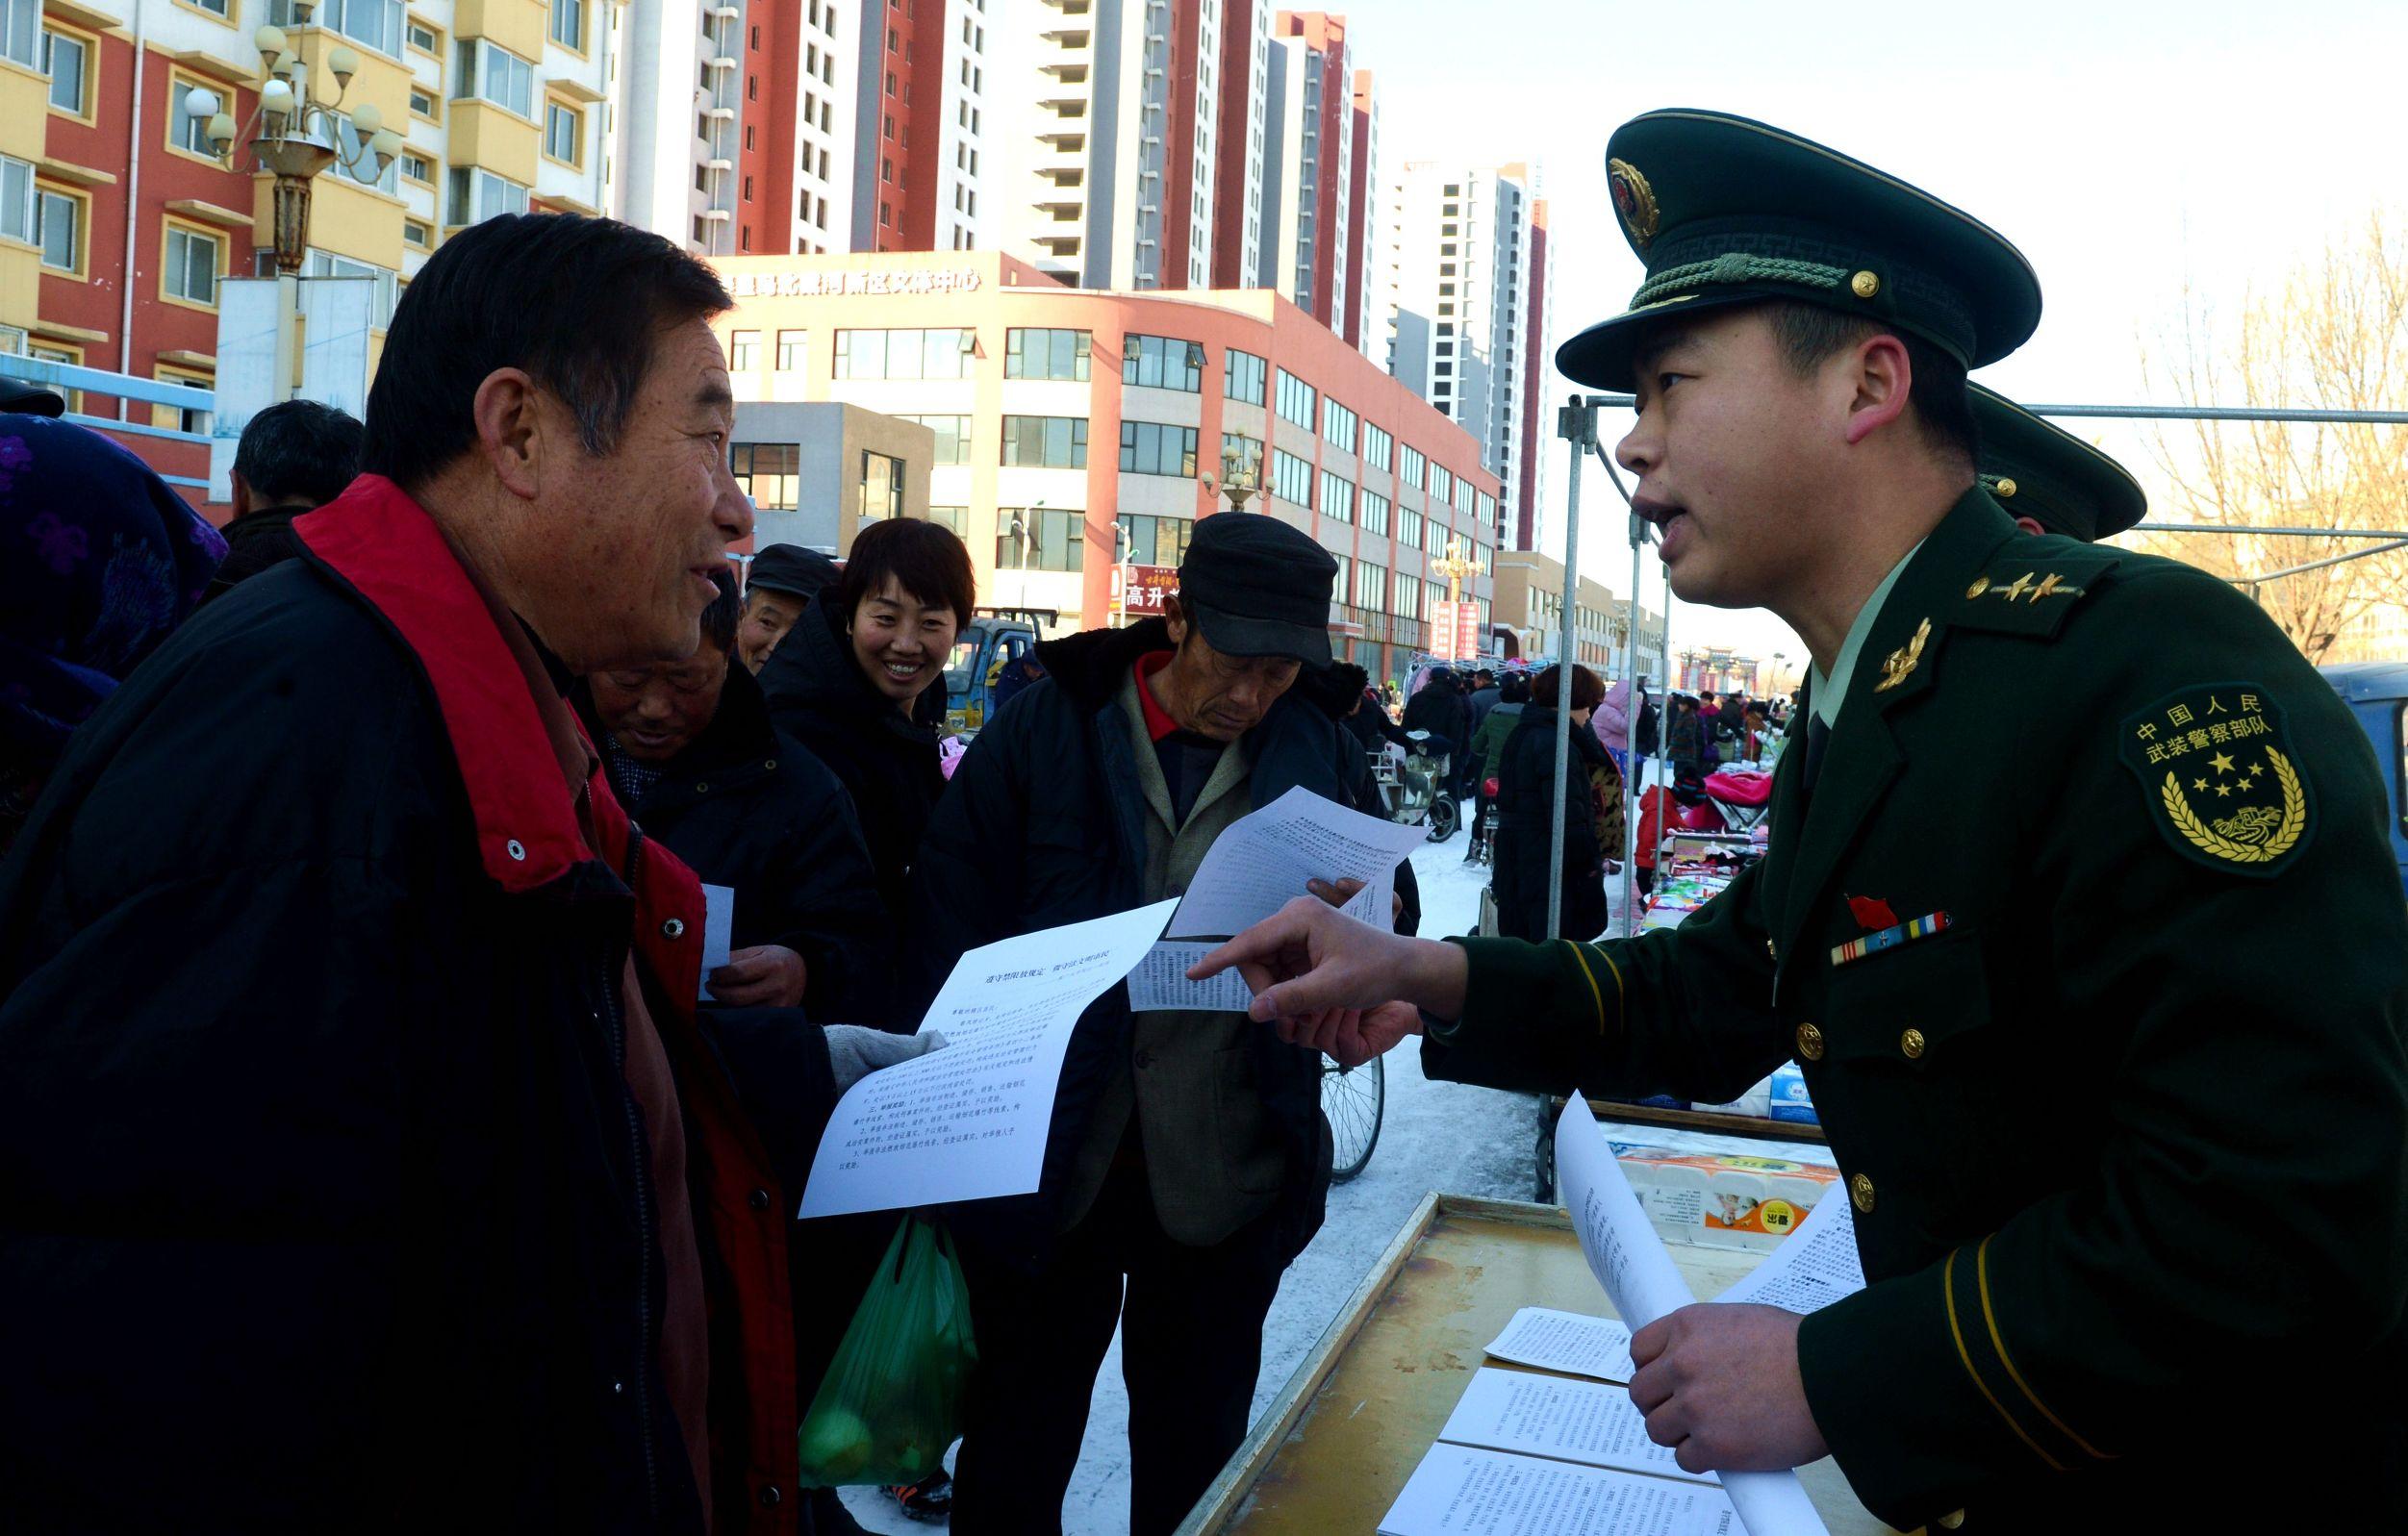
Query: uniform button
769 1496
1980 585
1144 1059
702 788
1911 1042
1950 1521
1810 1043
516 849
760 1200
1860 1194
1864 284
769 766
673 928
617 1388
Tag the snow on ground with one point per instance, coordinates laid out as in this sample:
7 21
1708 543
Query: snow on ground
1434 1136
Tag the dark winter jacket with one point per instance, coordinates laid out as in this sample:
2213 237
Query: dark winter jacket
253 545
1488 741
748 807
324 1202
1526 774
1043 827
819 695
1441 711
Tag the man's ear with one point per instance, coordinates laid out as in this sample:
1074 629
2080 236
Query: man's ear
508 411
1881 379
1176 619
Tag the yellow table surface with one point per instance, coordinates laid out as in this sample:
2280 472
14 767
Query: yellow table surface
1335 1448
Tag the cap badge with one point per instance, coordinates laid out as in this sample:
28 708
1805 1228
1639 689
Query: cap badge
1635 200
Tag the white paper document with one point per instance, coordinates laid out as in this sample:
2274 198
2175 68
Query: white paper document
1564 1421
969 1122
1460 1490
1160 981
1813 1267
1566 1340
719 925
1263 858
1630 1261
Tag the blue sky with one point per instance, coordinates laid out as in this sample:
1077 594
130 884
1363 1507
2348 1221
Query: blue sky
2129 148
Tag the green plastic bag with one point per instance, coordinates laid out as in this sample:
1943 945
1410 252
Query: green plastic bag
891 1400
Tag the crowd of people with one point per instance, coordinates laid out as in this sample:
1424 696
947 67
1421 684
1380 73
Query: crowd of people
359 1075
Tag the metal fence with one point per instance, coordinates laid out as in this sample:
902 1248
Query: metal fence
67 378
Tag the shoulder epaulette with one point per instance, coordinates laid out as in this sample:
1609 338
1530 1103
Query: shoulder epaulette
2032 584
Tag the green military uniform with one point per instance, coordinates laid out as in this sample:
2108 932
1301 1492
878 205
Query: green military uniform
2090 943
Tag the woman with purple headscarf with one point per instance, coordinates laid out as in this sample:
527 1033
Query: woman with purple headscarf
99 562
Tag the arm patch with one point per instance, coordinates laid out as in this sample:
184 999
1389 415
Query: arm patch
2219 779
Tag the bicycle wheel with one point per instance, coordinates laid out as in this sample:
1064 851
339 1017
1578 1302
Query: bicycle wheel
1352 1099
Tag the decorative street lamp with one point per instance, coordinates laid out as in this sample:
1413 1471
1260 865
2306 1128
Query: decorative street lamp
293 134
1241 476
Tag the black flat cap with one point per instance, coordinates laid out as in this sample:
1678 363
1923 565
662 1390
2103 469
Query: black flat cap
790 568
1728 210
1256 587
2037 469
20 398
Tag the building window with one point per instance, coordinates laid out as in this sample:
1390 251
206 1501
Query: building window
956 519
478 194
491 73
1337 425
195 260
1033 354
188 130
564 133
1337 496
881 486
1441 484
952 439
1297 401
419 235
184 418
768 472
1378 448
59 230
1040 538
422 104
66 59
387 292
1371 586
378 23
1047 442
1242 375
569 24
1158 448
358 161
937 354
424 38
1463 497
744 351
1374 513
1291 477
1408 528
1157 540
1162 363
791 350
20 32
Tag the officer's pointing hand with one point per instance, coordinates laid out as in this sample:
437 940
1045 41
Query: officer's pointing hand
1337 985
1719 1383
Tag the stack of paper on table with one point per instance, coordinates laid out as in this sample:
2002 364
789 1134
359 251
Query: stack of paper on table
1531 1455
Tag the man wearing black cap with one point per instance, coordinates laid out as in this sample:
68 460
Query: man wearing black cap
1188 1157
777 588
2064 818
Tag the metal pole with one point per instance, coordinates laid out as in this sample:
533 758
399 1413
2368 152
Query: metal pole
2183 413
1576 422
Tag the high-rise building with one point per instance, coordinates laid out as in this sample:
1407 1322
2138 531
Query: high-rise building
1310 224
118 220
921 136
796 127
1237 209
1521 530
1363 189
677 99
1462 260
1108 122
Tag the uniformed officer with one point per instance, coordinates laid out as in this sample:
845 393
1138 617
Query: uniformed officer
2047 479
2078 914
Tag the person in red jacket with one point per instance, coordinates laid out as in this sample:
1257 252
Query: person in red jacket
358 1135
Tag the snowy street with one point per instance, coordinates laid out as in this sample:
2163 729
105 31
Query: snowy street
1434 1136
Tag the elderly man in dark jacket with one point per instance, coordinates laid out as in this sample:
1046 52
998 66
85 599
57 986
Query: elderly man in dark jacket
360 1150
1189 1154
692 753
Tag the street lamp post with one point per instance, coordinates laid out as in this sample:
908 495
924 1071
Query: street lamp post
1241 476
293 134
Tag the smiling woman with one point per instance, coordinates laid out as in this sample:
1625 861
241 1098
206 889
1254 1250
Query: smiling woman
854 680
